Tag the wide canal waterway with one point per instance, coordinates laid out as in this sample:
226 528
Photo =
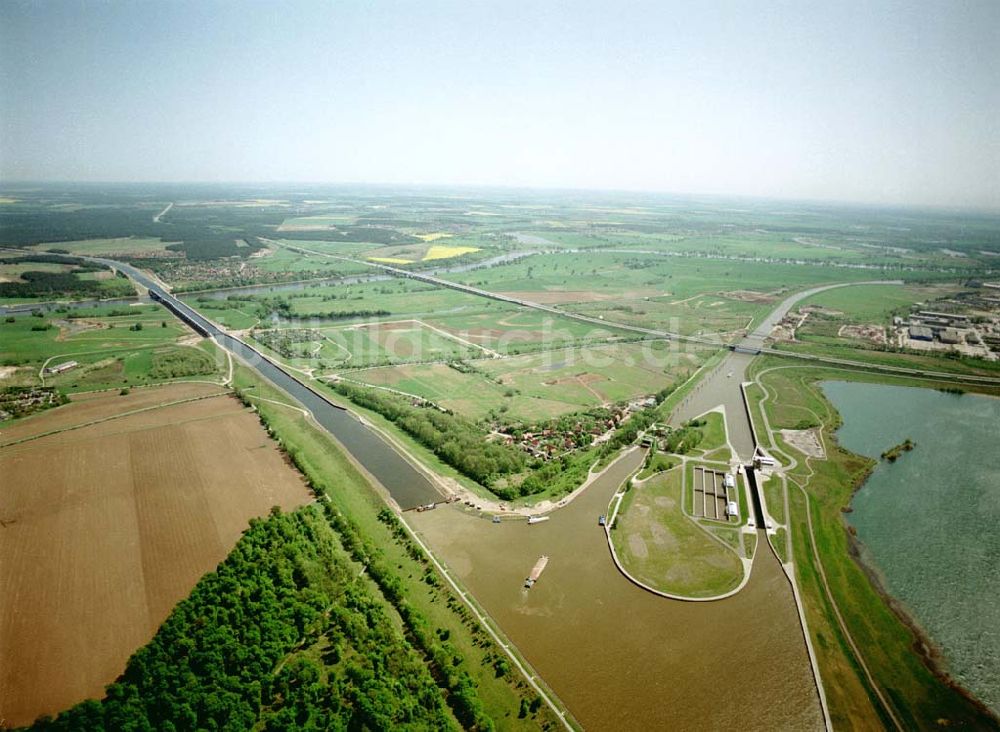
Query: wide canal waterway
622 658
930 522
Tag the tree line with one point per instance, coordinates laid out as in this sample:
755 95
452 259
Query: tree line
285 634
456 441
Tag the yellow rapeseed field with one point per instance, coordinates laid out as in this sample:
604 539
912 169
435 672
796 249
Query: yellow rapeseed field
440 251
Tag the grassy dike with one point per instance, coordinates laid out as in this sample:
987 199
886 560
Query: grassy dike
435 620
908 690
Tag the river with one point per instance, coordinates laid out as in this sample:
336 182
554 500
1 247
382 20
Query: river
929 522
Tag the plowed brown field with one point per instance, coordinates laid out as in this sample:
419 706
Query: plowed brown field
103 529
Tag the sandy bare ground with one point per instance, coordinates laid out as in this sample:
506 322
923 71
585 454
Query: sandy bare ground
873 333
103 529
805 441
749 296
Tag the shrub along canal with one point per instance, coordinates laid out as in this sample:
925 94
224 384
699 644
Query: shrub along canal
928 521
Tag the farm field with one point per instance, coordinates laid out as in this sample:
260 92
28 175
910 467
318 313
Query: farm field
86 407
106 527
281 259
596 375
543 385
511 331
12 272
691 295
363 344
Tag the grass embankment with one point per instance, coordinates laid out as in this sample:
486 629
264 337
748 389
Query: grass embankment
661 547
774 497
713 431
833 347
410 582
919 697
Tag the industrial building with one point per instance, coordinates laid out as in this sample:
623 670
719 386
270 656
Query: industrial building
61 367
950 335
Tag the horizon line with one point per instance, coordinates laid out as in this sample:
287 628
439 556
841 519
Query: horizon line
955 208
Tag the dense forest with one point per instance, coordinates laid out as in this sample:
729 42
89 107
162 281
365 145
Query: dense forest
176 363
202 232
285 634
47 284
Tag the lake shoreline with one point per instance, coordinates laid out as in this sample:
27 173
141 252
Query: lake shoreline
924 646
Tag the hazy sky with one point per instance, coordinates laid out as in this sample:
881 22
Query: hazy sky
868 101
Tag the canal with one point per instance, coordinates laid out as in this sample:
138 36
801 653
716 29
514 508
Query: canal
404 482
620 657
722 386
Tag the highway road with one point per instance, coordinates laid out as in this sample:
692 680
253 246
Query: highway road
753 344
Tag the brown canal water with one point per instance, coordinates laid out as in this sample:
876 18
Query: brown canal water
622 658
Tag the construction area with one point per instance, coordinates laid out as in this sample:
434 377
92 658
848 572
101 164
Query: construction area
714 495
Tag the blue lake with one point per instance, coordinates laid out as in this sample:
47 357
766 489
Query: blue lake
930 522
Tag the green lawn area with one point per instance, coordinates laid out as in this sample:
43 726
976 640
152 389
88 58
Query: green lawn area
656 462
774 496
663 548
875 303
713 432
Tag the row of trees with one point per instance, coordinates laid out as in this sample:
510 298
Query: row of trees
456 441
447 664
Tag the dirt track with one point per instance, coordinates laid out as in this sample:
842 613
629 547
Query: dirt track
105 528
